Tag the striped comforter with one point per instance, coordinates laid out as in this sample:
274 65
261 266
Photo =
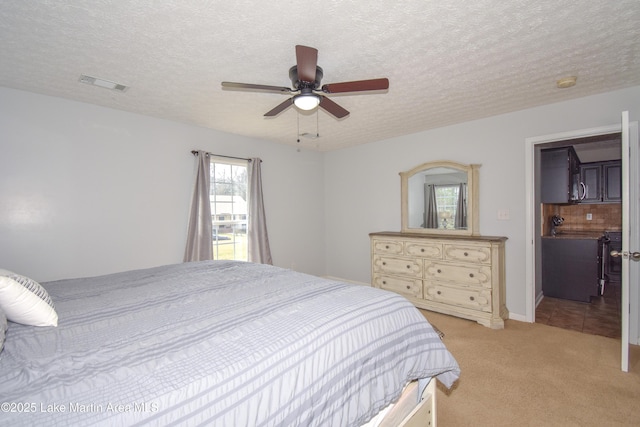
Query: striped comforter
219 343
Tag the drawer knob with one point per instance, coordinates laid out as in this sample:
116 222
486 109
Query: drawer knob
384 263
439 293
386 247
439 271
408 287
422 250
466 254
471 275
384 282
408 266
472 298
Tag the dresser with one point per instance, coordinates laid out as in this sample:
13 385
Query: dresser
462 276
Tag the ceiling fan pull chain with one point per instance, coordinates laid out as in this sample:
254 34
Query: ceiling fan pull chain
298 120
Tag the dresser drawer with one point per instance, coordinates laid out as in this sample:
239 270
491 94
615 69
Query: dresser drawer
424 250
389 247
462 274
476 299
457 275
481 254
398 266
403 286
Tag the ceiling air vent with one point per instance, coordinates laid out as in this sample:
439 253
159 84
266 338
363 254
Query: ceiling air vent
102 83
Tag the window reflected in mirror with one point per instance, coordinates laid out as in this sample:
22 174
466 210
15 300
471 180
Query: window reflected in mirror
449 202
436 198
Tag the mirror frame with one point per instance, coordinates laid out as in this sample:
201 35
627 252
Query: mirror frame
473 198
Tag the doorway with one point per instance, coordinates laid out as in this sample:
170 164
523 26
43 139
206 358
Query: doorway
533 215
588 299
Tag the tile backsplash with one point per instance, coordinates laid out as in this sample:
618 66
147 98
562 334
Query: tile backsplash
603 217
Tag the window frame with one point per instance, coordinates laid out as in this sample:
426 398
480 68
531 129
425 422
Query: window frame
229 234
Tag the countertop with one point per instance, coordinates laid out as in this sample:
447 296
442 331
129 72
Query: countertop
442 236
576 235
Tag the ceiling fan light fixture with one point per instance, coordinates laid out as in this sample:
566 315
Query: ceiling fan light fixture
306 102
306 77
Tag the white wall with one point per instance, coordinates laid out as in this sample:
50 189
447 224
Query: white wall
86 190
362 183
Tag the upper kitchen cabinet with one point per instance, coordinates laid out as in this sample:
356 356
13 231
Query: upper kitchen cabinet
602 182
612 173
560 176
591 176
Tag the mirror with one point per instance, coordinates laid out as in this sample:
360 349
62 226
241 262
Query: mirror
440 198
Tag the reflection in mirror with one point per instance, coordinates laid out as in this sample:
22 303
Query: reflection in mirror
440 197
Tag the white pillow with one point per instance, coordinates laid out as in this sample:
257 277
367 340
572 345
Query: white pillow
24 301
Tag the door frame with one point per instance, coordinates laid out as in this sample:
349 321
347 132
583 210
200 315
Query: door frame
532 199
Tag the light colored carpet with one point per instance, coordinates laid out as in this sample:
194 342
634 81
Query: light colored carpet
531 374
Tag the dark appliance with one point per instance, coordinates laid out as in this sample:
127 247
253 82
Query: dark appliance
614 264
603 255
560 176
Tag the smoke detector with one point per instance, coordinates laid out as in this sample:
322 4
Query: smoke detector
566 82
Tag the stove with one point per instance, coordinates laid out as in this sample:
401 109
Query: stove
613 265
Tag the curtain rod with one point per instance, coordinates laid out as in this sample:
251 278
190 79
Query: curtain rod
195 153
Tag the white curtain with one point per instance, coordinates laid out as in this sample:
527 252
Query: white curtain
258 245
199 240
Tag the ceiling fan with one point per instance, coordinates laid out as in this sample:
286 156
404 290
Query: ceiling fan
306 76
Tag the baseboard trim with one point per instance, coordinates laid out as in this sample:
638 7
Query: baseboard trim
518 317
539 299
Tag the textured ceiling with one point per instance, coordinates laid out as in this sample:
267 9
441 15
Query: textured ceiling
447 61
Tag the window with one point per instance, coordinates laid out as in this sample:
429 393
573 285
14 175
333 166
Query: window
447 201
228 196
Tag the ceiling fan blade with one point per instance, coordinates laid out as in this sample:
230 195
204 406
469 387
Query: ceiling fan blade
356 86
249 86
332 108
280 108
307 60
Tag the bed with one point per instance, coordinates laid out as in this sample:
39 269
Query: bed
219 343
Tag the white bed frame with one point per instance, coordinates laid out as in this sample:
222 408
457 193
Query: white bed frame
405 412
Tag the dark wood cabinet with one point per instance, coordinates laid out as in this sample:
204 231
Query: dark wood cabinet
591 176
560 176
570 268
602 181
612 186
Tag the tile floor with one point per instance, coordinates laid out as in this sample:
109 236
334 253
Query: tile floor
600 317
